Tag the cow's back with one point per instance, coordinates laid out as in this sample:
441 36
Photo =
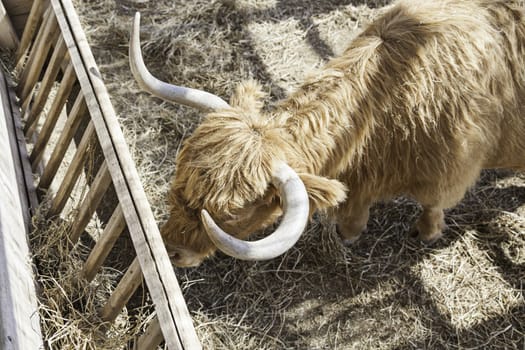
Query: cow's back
440 92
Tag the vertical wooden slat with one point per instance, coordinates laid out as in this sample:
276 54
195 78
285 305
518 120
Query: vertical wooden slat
89 205
75 117
152 336
40 98
38 56
105 243
73 172
52 116
34 18
129 283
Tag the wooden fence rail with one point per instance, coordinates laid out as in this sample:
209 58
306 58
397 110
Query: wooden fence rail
19 321
54 56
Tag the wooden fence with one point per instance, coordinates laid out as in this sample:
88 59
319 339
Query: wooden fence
53 59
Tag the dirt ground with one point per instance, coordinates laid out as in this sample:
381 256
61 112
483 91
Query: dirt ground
388 291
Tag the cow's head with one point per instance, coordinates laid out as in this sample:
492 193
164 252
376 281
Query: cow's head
234 167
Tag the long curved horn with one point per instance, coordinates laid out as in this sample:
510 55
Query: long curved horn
187 96
295 218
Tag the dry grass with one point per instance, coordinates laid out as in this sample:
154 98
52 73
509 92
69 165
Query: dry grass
388 291
69 305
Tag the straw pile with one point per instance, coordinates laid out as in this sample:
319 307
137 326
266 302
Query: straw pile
388 291
69 305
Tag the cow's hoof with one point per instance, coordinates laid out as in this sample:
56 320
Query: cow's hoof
429 234
348 242
427 239
430 240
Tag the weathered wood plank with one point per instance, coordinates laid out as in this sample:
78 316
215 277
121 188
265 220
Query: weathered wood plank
152 336
40 97
93 198
38 55
19 321
128 284
33 20
22 165
76 115
105 243
8 36
63 93
173 315
73 172
40 31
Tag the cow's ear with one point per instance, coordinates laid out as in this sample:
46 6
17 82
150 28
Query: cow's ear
248 95
324 193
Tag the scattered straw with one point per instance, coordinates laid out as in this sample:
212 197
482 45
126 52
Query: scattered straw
69 304
388 290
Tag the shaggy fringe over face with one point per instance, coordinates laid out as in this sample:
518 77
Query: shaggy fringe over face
227 162
224 166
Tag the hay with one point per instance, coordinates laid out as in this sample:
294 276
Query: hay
69 305
388 290
7 60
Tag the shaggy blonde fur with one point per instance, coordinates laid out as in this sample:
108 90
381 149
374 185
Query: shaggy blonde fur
426 97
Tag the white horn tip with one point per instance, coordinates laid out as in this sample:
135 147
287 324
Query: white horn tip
136 20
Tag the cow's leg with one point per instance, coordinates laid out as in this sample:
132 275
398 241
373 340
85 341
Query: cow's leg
351 223
445 193
431 224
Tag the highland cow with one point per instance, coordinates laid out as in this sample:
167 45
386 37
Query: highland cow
427 96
